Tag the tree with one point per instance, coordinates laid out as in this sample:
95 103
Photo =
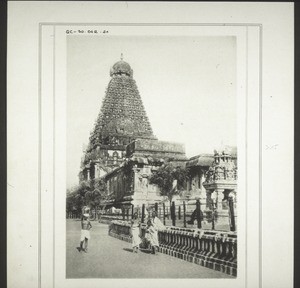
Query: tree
91 193
96 194
74 201
101 188
170 180
70 201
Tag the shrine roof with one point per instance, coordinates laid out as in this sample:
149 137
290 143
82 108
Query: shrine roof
154 145
203 160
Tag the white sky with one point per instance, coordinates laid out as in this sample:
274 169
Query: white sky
187 85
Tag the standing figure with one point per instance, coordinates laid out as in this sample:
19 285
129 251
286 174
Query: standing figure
85 232
153 227
151 240
135 233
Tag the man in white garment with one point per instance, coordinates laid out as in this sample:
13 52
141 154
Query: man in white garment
157 225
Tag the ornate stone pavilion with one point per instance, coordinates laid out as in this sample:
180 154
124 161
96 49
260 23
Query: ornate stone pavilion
220 184
221 178
122 148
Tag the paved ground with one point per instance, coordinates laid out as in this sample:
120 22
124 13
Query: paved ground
109 257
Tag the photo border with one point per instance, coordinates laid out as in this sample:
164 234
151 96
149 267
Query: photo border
54 25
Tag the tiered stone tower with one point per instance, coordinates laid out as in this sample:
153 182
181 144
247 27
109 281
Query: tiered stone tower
121 120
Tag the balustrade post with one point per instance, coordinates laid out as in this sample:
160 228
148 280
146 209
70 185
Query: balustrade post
230 249
184 216
210 245
179 212
234 249
197 244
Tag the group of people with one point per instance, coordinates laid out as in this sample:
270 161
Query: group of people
151 235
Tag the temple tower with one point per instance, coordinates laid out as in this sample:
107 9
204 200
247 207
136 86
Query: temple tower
121 120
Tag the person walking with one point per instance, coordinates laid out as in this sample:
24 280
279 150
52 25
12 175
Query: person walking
85 232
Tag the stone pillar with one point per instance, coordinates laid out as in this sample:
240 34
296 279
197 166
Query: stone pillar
220 197
209 199
233 195
231 198
203 194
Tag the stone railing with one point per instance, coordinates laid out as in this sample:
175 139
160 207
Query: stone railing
213 249
108 219
120 229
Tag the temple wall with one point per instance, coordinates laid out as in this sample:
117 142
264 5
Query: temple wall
120 184
143 191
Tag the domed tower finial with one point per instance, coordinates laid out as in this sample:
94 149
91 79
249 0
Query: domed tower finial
121 68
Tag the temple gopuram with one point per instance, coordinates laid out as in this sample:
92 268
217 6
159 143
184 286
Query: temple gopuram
122 148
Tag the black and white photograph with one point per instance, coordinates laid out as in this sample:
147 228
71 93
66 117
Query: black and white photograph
151 157
150 144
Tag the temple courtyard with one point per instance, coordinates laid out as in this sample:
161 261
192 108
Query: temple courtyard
109 257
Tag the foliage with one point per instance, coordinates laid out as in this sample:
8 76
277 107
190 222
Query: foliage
96 193
87 193
170 180
74 201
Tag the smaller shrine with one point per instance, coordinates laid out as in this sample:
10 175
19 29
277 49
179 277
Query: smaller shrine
197 167
220 184
130 182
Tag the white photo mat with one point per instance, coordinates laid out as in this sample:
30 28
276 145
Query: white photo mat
257 142
53 114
